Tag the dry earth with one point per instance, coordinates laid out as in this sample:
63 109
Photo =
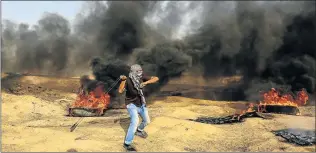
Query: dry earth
34 109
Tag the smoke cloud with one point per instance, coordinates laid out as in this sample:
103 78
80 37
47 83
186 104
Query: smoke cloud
33 48
262 41
270 44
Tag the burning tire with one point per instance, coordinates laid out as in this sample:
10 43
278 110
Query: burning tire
273 102
279 109
85 112
92 104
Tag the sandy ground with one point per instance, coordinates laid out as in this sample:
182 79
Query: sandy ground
32 123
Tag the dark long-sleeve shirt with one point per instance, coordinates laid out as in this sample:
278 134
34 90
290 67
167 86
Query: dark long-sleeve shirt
132 95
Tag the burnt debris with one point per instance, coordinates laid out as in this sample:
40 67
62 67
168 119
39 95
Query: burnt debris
84 112
237 118
280 109
297 136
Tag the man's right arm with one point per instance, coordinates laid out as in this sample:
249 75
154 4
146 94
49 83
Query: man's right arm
122 85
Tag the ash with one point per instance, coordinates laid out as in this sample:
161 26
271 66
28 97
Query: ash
219 120
297 136
228 119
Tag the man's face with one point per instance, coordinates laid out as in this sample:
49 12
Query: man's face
139 72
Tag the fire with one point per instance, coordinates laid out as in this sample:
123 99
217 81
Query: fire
250 109
96 99
275 100
273 97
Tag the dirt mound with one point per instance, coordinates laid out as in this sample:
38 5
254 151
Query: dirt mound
32 89
63 84
47 88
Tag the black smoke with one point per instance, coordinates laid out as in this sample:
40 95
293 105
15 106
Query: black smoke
41 48
270 44
263 42
123 38
163 61
294 62
123 27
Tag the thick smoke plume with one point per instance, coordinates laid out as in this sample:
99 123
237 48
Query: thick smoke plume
163 61
123 33
270 44
123 27
42 47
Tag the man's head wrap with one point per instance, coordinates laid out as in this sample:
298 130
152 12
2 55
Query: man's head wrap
136 74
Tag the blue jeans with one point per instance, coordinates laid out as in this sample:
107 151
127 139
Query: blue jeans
133 113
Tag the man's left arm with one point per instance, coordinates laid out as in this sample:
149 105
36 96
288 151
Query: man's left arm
150 80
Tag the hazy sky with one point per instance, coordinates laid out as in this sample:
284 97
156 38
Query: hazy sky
31 11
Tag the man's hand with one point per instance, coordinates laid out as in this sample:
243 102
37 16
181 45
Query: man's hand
123 77
122 85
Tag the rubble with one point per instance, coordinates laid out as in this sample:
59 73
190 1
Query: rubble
84 112
297 136
228 119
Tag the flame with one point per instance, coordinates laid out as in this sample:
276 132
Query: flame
251 108
273 97
96 99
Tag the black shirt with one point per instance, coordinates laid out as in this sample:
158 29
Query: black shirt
132 95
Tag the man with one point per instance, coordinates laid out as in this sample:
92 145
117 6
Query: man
135 103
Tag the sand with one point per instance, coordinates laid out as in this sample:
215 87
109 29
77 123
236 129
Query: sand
31 123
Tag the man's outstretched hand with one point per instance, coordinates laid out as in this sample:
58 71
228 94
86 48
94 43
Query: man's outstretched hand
123 77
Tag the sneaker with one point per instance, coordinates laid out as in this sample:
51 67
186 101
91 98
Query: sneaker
141 134
129 148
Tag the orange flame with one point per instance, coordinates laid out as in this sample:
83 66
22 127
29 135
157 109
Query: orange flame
96 99
273 97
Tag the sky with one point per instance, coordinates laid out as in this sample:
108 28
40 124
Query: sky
31 11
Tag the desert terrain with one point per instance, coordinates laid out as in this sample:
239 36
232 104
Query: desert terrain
34 119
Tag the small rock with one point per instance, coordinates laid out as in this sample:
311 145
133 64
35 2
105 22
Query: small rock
72 150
